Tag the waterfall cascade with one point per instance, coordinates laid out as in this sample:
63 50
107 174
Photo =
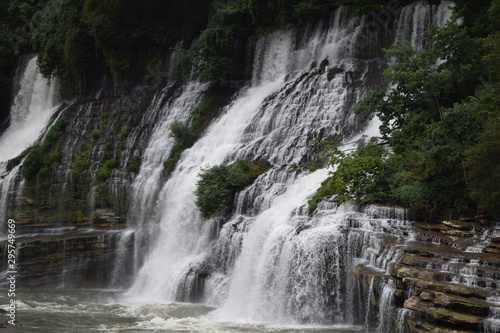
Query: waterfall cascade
35 102
271 261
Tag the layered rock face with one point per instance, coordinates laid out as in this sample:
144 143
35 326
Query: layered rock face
446 278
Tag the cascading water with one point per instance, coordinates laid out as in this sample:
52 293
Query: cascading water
184 238
271 261
34 103
166 109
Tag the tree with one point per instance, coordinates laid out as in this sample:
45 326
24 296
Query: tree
361 176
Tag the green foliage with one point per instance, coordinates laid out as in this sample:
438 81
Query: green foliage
125 132
322 193
203 113
80 162
108 146
95 134
217 186
437 121
104 171
71 37
185 136
44 157
212 55
134 164
491 58
361 176
103 120
483 159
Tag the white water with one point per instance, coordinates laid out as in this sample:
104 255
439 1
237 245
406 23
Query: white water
270 262
147 185
183 238
251 296
492 324
35 102
261 269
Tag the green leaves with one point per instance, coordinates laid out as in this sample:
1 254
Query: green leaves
217 186
436 128
361 176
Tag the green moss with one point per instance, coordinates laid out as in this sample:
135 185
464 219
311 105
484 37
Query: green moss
203 113
184 138
134 164
80 162
44 157
312 165
125 132
103 120
185 135
323 192
103 172
95 134
108 146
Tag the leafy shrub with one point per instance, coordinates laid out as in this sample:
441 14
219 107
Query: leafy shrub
217 186
361 176
185 135
184 138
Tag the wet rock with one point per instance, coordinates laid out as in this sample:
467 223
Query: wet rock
424 327
333 72
465 291
467 304
462 225
301 228
444 314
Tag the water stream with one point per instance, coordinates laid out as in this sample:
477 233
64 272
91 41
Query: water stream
271 266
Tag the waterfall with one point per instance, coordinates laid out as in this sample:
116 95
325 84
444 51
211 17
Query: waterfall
184 237
35 102
271 261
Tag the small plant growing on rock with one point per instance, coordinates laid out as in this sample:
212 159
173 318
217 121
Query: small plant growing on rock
105 170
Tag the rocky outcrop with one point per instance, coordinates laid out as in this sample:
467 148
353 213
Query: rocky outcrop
445 277
67 258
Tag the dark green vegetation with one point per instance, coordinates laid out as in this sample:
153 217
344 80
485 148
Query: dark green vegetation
442 123
72 38
104 171
41 159
186 135
217 185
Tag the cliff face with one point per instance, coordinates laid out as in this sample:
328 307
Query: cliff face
105 197
76 206
445 278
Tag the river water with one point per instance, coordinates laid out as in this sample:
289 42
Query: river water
44 311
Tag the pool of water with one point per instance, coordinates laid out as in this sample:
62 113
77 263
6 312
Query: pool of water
107 311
